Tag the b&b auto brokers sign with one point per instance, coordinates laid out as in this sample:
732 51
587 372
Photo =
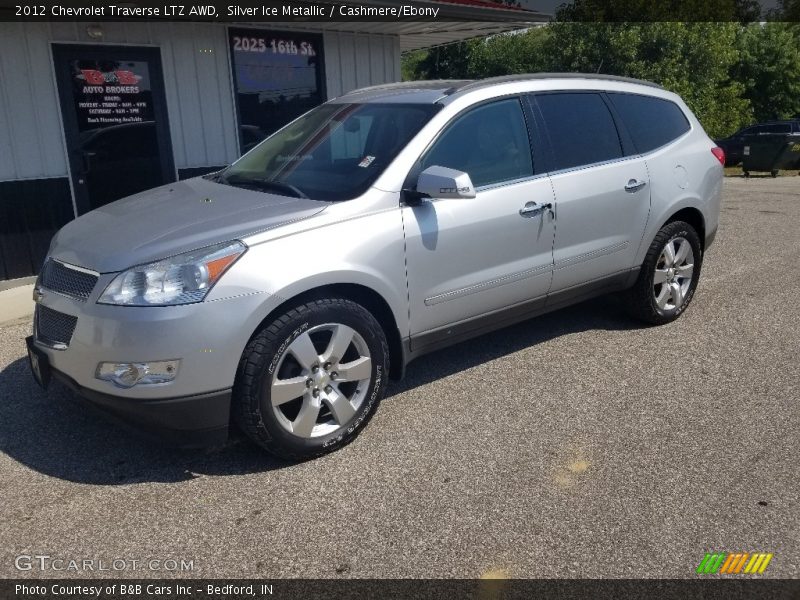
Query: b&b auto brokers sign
111 95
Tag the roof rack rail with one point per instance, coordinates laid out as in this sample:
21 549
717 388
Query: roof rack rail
428 84
537 76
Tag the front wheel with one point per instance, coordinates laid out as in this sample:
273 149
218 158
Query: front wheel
669 275
310 381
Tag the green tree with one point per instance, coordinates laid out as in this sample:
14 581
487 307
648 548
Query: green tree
769 69
640 11
509 54
443 62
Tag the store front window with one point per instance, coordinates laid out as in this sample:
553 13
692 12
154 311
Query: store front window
277 76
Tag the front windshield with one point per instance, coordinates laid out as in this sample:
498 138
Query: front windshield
334 152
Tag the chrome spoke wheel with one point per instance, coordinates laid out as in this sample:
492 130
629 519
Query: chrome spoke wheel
321 380
673 274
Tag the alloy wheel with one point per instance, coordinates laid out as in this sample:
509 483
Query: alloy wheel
673 274
321 380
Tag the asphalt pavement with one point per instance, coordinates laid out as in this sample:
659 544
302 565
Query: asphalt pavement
578 444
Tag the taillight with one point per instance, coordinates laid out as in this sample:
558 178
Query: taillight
720 154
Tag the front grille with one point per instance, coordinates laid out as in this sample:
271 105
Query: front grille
65 280
52 327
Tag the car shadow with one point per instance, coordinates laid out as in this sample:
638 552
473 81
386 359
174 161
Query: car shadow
604 313
51 434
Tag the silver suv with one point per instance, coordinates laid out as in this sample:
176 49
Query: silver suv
283 292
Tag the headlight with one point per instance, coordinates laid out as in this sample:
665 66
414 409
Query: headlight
181 279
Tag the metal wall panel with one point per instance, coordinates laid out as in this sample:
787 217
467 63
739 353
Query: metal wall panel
354 60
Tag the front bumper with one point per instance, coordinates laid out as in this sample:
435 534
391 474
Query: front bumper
188 422
207 337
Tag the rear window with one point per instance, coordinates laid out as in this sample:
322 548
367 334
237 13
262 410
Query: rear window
581 129
652 122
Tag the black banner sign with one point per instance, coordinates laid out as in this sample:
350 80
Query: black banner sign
272 11
488 589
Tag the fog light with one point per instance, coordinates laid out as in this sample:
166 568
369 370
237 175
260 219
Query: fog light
127 375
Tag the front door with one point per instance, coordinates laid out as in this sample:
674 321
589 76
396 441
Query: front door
115 121
469 257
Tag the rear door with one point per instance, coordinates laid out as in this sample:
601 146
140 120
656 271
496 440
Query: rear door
601 190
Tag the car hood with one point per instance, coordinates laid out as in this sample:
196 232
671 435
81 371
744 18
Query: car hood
171 219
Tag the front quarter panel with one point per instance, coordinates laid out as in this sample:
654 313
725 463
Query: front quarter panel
358 242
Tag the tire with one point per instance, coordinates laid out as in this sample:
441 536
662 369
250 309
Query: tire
335 398
654 301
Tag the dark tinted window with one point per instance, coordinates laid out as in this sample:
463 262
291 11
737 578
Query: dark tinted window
490 143
777 128
652 122
581 129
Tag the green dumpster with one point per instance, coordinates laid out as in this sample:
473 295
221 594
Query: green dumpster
771 152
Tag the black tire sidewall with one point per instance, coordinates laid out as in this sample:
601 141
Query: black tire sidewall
318 313
670 232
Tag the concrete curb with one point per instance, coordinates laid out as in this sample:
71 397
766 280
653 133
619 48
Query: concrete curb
16 305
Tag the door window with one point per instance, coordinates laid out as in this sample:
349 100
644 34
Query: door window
581 129
490 143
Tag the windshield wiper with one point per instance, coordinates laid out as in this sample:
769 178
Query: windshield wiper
216 177
263 185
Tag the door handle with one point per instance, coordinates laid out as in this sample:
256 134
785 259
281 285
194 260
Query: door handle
531 209
634 185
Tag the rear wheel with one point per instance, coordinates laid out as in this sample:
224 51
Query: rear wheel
669 275
310 380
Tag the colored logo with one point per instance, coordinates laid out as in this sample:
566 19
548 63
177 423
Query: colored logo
734 563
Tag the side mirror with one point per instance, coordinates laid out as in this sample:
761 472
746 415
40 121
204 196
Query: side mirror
441 182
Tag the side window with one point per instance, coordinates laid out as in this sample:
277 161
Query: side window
490 143
777 128
581 129
652 122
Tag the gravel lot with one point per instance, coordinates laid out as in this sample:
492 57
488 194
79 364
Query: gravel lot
576 444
